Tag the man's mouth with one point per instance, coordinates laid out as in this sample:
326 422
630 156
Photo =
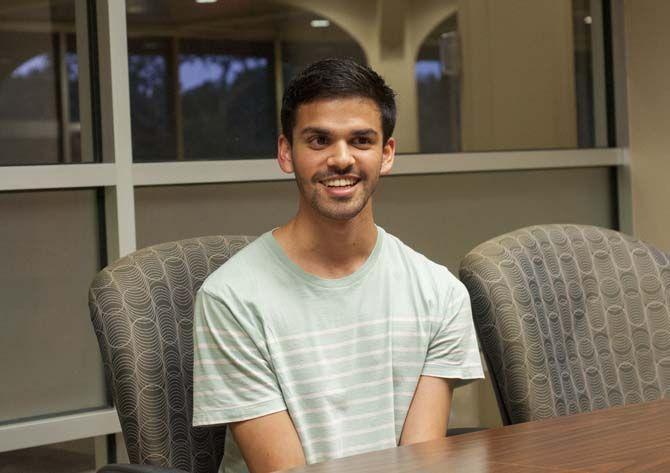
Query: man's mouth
340 182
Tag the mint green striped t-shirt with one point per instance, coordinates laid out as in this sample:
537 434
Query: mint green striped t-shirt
342 356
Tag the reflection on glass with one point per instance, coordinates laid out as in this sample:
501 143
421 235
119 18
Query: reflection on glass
582 21
470 75
227 99
523 79
211 91
438 84
151 99
39 106
297 55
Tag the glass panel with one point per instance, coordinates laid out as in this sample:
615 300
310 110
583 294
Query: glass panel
437 75
39 104
296 55
582 21
67 457
475 75
205 79
151 99
511 75
49 248
227 99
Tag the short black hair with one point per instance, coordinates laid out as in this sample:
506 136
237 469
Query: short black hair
337 78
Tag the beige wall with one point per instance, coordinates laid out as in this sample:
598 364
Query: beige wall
440 215
647 42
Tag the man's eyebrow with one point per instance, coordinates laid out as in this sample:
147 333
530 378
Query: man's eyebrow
364 132
314 130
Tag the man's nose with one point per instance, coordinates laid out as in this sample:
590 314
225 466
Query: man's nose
341 157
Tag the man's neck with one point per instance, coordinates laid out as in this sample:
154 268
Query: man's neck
325 247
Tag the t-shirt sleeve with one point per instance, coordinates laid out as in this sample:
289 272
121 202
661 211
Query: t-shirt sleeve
453 351
232 379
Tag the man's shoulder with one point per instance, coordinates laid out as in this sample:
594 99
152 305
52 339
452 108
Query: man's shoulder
237 273
399 252
414 268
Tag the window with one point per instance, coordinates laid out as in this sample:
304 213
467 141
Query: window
39 104
151 99
438 81
206 80
496 75
227 98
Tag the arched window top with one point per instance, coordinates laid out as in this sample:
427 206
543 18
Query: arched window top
206 79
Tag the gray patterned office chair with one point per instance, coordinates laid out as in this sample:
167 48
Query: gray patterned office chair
571 319
142 311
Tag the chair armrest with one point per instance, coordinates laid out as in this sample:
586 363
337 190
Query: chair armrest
127 468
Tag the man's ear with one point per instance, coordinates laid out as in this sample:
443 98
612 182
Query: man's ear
388 155
284 154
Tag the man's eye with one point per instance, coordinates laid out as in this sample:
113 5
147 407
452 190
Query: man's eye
362 141
318 141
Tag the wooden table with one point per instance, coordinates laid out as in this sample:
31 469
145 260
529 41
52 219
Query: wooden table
621 439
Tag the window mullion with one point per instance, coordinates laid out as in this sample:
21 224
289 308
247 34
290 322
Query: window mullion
115 123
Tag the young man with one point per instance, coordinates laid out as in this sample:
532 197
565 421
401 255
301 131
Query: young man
328 337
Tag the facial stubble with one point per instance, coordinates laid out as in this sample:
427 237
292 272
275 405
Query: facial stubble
333 208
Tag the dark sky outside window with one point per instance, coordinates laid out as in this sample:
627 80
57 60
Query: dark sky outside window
151 100
204 83
227 99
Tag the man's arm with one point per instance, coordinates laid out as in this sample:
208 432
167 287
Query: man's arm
268 443
428 413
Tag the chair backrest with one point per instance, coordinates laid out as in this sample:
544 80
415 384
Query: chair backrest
571 319
142 311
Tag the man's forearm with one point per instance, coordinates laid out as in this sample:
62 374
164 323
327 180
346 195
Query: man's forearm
269 443
428 413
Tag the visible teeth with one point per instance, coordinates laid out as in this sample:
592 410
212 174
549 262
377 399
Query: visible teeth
340 182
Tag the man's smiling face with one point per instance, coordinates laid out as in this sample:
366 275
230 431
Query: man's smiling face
337 155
